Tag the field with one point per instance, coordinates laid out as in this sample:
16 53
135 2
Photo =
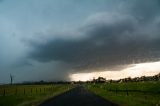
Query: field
29 95
129 94
124 94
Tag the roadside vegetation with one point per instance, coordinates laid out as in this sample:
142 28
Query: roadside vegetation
29 95
145 93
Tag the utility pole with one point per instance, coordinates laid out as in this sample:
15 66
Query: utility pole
11 78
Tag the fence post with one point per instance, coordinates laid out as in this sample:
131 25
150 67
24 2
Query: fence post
24 91
145 96
16 92
116 91
4 92
31 90
127 92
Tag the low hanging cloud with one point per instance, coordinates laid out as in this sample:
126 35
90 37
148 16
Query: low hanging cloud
109 40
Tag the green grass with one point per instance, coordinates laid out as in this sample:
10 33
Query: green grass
29 95
139 93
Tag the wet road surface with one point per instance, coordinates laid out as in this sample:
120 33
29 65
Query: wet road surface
78 96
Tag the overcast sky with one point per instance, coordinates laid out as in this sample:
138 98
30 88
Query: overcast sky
52 39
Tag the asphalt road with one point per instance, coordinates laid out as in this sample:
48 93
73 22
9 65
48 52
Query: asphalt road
78 96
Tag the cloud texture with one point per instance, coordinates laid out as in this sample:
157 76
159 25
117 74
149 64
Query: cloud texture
108 40
77 36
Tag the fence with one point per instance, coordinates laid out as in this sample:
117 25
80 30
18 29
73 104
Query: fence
8 91
124 91
128 91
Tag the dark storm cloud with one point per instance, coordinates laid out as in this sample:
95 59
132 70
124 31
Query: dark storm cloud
111 41
145 10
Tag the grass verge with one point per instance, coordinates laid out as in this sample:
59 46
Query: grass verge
129 94
33 95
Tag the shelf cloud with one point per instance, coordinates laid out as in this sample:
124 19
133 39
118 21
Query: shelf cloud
108 40
92 36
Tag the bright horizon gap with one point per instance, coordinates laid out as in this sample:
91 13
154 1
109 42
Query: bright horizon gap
136 70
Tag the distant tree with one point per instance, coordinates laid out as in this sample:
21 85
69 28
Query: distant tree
11 78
